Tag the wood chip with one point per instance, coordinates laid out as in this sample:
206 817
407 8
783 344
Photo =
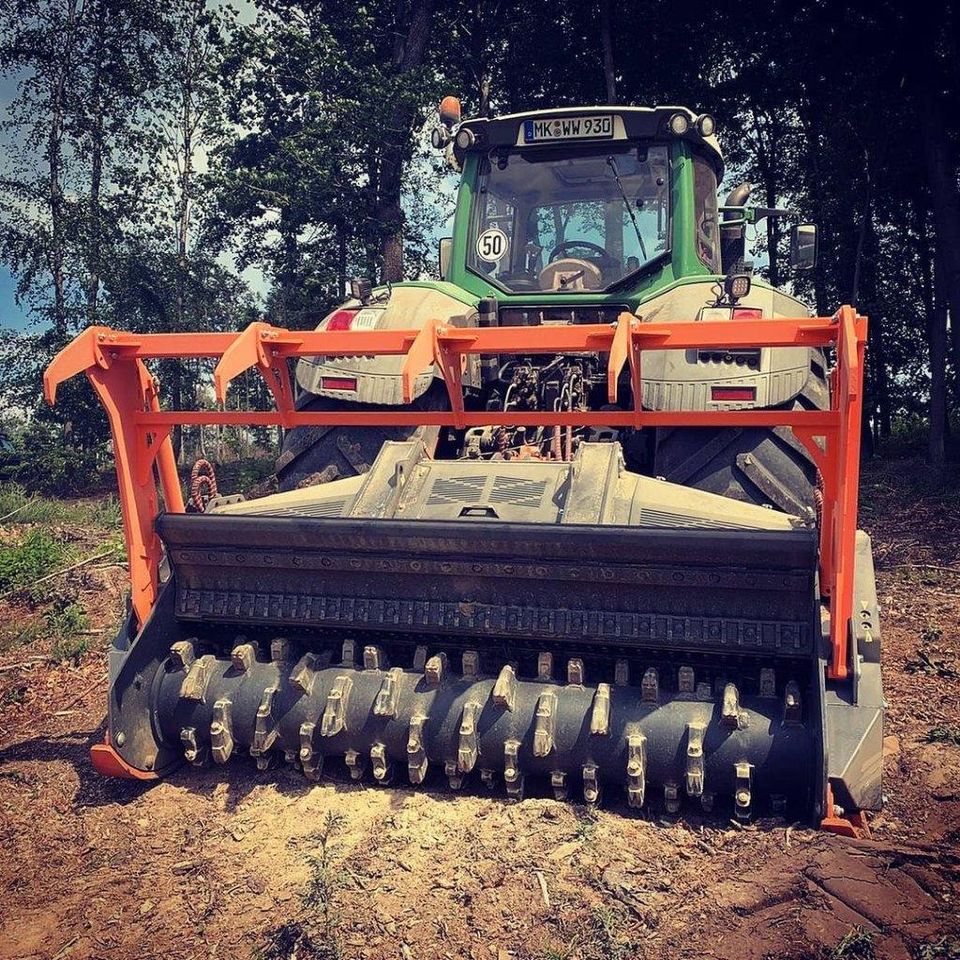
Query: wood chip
543 889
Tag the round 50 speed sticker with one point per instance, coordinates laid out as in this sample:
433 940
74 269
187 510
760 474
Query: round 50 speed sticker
492 245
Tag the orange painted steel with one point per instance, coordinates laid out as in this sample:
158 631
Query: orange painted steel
108 763
115 364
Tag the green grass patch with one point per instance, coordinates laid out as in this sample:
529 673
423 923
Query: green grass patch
19 506
66 622
36 556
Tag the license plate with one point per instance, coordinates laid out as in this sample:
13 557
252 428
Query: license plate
568 128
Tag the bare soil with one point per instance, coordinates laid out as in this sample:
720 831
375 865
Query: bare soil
232 863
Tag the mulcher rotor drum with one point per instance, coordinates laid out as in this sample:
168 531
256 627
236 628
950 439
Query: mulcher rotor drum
661 666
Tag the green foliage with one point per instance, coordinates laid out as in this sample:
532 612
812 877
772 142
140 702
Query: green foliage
945 734
42 463
66 622
946 948
856 945
315 936
37 555
932 662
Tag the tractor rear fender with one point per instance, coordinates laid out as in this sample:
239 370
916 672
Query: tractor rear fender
365 379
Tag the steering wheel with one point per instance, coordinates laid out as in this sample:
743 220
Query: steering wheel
561 248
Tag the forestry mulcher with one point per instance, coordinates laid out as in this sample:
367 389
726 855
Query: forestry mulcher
579 516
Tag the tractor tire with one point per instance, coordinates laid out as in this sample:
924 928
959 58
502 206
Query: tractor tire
769 467
320 454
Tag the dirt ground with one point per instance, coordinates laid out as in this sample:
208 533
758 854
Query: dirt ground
231 863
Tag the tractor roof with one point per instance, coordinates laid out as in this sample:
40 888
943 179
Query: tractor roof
515 129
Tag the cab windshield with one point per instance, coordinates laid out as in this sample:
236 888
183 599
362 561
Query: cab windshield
574 222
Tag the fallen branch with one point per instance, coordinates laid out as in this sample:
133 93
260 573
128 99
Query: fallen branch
58 573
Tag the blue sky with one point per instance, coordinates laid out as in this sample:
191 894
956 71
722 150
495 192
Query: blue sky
11 315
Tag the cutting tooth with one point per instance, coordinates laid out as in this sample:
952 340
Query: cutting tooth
385 704
310 759
792 704
600 713
743 793
266 760
511 769
768 682
356 763
419 659
575 672
706 801
303 675
380 764
467 750
264 731
470 665
545 667
373 658
334 719
191 751
621 673
591 786
435 670
243 657
348 653
636 769
650 686
281 650
221 731
685 680
730 712
489 778
194 685
704 691
182 654
558 780
454 776
416 752
505 689
545 724
695 768
671 798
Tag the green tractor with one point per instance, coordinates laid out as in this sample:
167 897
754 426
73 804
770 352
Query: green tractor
563 575
573 216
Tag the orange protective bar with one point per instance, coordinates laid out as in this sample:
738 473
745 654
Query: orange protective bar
114 362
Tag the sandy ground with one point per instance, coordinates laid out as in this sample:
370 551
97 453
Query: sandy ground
231 863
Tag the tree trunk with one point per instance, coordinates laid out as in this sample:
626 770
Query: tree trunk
96 166
56 255
937 334
408 54
940 168
606 38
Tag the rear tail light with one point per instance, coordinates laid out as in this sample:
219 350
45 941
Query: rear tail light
341 320
742 394
747 313
338 383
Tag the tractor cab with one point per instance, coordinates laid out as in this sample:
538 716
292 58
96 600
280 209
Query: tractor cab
582 201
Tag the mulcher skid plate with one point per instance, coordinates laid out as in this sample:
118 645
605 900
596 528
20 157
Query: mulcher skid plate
657 663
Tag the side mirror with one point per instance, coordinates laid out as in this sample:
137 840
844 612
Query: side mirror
446 248
803 246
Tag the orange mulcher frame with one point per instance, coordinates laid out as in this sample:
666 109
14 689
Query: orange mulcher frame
114 363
